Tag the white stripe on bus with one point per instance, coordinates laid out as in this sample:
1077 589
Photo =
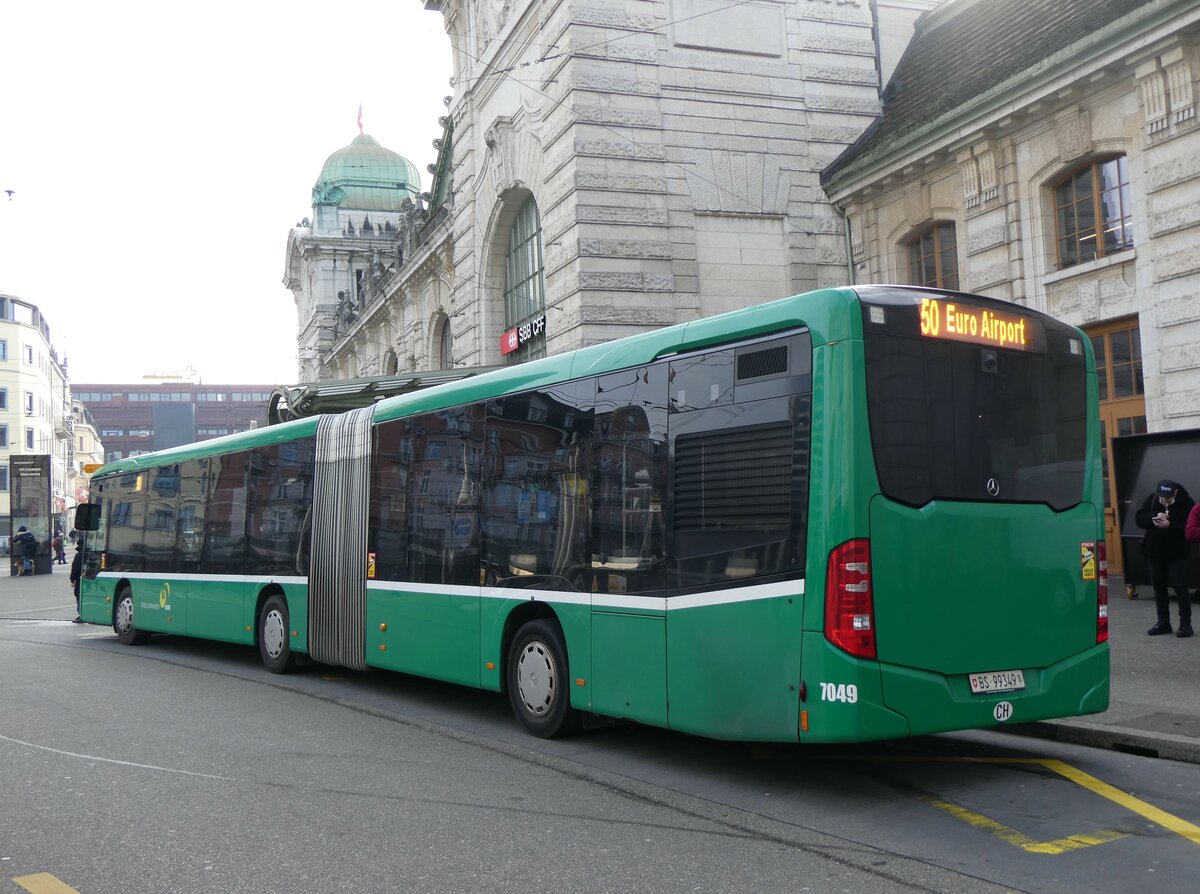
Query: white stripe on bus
751 593
207 578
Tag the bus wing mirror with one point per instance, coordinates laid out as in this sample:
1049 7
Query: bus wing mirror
87 517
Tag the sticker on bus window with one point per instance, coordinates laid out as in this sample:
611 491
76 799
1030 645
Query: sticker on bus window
370 566
1087 555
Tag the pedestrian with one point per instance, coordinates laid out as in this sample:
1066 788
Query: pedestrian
76 574
60 555
1164 517
1192 530
27 543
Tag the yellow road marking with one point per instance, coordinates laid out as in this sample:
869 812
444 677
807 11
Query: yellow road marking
44 883
1172 823
1020 839
1168 821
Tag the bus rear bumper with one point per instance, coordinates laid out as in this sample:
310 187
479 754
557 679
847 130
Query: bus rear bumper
935 703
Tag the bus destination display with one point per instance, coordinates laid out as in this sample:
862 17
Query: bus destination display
980 325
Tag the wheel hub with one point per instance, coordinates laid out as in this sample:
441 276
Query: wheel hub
273 634
535 678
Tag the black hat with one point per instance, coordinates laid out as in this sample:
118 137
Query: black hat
1166 488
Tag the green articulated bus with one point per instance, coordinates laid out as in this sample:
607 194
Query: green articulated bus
859 513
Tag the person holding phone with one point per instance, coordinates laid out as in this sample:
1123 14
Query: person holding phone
1164 518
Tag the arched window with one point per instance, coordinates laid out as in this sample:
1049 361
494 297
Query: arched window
524 288
390 363
1093 211
446 345
933 257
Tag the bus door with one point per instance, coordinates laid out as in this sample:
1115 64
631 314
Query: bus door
217 594
627 560
160 596
740 429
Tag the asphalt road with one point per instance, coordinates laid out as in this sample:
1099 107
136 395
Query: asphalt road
183 766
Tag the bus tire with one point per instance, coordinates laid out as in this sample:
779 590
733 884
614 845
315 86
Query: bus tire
538 680
127 634
274 644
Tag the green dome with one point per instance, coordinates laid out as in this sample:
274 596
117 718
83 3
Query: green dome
364 176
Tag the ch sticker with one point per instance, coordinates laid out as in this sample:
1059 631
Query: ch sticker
1087 557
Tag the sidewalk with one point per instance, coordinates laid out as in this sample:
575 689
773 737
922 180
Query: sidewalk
1155 698
1154 707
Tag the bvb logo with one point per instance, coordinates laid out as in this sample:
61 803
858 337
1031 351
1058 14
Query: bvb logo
164 594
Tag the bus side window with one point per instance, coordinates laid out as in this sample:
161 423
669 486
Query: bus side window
443 493
629 481
388 528
535 528
278 497
739 489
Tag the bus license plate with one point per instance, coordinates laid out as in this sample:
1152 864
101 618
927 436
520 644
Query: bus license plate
997 681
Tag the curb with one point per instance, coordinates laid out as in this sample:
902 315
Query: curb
1115 738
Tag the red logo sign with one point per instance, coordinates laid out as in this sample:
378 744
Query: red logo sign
518 335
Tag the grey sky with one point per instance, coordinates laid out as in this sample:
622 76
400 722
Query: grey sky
159 153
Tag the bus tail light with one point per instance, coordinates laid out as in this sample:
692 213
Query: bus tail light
1101 592
849 605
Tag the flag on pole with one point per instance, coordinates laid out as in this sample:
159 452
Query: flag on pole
360 130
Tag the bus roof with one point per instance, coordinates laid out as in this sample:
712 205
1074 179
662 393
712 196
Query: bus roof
256 437
830 314
827 313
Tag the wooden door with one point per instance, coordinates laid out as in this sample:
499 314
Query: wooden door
1118 349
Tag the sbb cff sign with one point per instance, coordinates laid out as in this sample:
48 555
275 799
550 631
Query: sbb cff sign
518 335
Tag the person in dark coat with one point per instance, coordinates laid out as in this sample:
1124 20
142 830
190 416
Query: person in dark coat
76 574
1164 518
27 544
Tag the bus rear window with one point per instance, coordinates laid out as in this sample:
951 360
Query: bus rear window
957 419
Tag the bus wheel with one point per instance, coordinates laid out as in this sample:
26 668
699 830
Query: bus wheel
273 644
123 620
538 686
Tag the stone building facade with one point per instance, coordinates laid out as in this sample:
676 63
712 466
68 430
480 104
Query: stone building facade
1048 152
35 406
608 167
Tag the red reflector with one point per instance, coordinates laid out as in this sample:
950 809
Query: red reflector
1101 592
849 605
